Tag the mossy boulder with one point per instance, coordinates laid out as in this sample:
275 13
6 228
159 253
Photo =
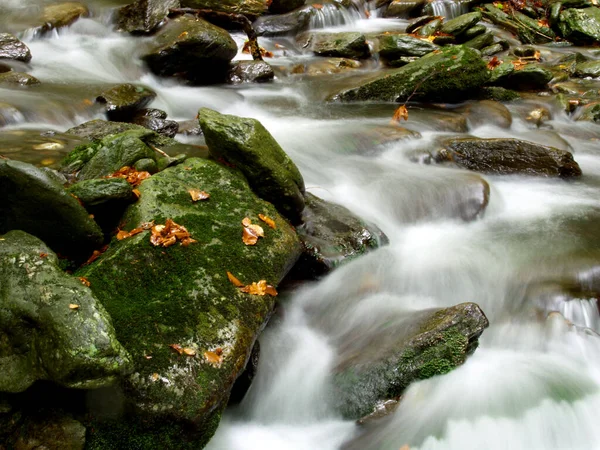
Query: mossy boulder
580 26
123 100
35 201
246 143
51 326
17 78
342 45
481 41
428 343
394 46
58 15
102 190
250 8
444 75
193 49
104 158
588 69
181 294
505 156
528 30
332 235
13 48
96 130
144 16
460 24
530 77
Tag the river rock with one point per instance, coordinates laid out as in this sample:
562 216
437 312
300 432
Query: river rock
528 30
249 8
156 120
332 235
486 112
504 156
181 295
444 76
432 342
403 8
51 325
481 41
284 24
35 201
394 46
588 113
284 6
460 24
327 66
144 16
341 45
191 48
17 78
588 69
250 72
13 48
96 130
102 190
580 26
246 144
60 15
123 100
530 77
52 432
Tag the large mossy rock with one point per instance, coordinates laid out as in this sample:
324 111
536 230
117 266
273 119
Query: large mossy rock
191 48
460 24
144 16
51 326
447 75
394 46
505 156
250 8
34 200
342 45
12 48
581 26
426 344
246 143
96 130
332 235
181 294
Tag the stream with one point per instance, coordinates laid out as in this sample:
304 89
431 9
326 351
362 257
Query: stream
534 381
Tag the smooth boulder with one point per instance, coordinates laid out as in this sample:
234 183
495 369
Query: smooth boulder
123 100
341 45
144 16
59 15
13 48
580 26
394 46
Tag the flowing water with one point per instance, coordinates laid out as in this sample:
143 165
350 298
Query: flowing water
534 381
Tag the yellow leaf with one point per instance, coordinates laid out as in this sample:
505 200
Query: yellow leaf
234 280
197 195
213 358
267 220
73 306
401 113
189 351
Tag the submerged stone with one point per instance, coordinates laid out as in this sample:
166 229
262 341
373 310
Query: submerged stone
123 100
13 48
588 69
51 326
246 143
17 78
144 16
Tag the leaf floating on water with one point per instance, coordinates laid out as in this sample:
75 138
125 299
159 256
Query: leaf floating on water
267 220
197 195
213 358
400 113
73 306
176 347
234 280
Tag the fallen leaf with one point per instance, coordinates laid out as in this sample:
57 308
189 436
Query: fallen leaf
73 306
182 35
137 193
168 234
537 55
213 358
519 64
122 234
400 113
95 255
155 377
257 229
260 288
189 351
234 280
249 236
177 348
148 356
197 195
84 281
543 23
219 351
317 6
493 63
43 255
267 220
132 176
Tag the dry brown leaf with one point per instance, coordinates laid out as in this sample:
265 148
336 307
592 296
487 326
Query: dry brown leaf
168 234
84 281
260 288
400 113
43 255
155 377
73 306
493 63
219 351
189 351
267 220
257 229
246 221
213 358
249 236
177 348
234 280
132 176
122 234
197 195
519 64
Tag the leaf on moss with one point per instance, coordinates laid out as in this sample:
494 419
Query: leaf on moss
176 347
197 195
213 358
234 280
189 351
493 63
259 288
73 306
132 176
251 232
267 220
84 281
168 234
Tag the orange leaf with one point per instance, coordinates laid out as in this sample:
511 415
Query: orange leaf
401 113
197 194
189 351
267 220
260 288
493 63
519 64
317 6
122 234
73 306
84 281
249 236
213 358
246 221
177 348
137 193
234 280
43 255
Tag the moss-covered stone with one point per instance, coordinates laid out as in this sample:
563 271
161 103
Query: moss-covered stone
331 235
60 15
394 46
403 8
530 77
144 16
581 26
527 29
460 24
102 190
96 130
246 143
250 8
181 295
13 48
588 69
123 100
432 343
43 337
35 201
445 75
191 48
341 45
481 41
508 156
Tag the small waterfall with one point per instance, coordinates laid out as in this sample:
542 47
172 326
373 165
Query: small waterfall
449 8
333 15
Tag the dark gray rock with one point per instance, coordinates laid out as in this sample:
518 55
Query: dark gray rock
394 46
156 120
144 16
251 72
122 101
342 45
13 48
284 6
284 24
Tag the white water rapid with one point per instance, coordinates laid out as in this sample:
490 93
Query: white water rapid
534 381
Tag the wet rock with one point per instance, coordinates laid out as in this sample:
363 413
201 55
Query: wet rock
44 337
417 23
481 41
5 68
193 49
96 130
394 46
144 16
588 113
104 158
331 235
102 190
432 342
284 24
13 48
52 432
473 32
506 156
284 6
243 382
123 100
60 15
246 144
580 26
36 202
249 8
403 8
383 408
326 66
146 165
341 45
498 94
156 120
460 24
373 139
444 76
250 72
190 128
492 49
487 112
17 78
555 295
588 69
530 77
193 304
528 30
